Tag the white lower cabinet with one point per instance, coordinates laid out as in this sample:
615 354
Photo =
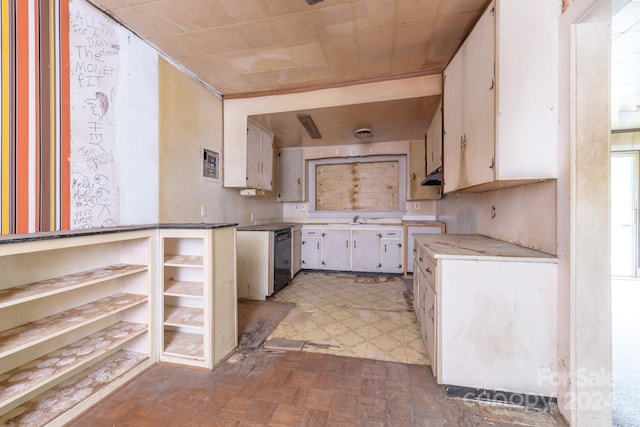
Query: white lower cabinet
363 248
335 249
487 312
365 251
311 248
391 251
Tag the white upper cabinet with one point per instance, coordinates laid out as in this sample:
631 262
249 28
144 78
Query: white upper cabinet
257 161
499 106
291 175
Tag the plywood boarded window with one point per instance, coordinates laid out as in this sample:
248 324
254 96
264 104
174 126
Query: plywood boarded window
371 186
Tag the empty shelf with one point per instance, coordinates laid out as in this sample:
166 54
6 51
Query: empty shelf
183 344
15 339
183 261
56 285
183 289
38 373
64 397
183 316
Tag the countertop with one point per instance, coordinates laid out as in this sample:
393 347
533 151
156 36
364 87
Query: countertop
269 227
48 235
476 246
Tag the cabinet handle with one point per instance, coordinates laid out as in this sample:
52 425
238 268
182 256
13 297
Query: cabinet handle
413 176
420 259
399 266
299 181
324 263
379 265
431 312
385 247
346 244
428 270
318 245
303 242
493 163
354 244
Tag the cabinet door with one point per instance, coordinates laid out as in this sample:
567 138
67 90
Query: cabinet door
335 250
296 257
453 104
391 255
417 173
312 253
430 307
479 103
254 154
290 175
434 141
365 250
266 161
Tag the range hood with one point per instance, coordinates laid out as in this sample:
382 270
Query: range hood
434 178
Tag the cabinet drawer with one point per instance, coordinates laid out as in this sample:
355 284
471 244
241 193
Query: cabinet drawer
390 234
428 265
317 232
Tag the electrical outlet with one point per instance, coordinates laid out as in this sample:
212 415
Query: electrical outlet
302 206
297 207
416 205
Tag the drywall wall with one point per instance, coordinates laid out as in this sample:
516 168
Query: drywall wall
584 286
114 122
524 215
459 211
190 117
236 111
136 113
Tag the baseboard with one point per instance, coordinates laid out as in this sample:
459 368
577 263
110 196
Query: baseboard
528 401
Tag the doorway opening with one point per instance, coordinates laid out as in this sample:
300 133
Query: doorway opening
625 180
624 214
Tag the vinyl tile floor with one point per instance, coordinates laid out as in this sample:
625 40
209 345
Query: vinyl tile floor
358 315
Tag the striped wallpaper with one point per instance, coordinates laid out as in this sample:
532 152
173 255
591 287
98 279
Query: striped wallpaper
34 111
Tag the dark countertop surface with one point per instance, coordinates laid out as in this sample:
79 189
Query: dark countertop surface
269 227
48 235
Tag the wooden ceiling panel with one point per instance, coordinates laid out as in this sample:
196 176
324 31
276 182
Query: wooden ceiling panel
295 28
448 27
202 13
245 10
273 44
277 58
305 53
374 15
157 19
260 34
410 11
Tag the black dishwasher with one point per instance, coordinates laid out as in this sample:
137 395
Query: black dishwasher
281 258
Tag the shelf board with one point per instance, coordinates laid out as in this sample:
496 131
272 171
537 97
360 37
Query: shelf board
194 261
183 289
18 338
63 398
183 344
45 288
36 375
183 316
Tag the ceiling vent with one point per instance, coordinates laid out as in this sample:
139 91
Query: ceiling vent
363 133
309 125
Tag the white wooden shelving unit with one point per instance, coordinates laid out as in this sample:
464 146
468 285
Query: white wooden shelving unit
76 322
199 296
